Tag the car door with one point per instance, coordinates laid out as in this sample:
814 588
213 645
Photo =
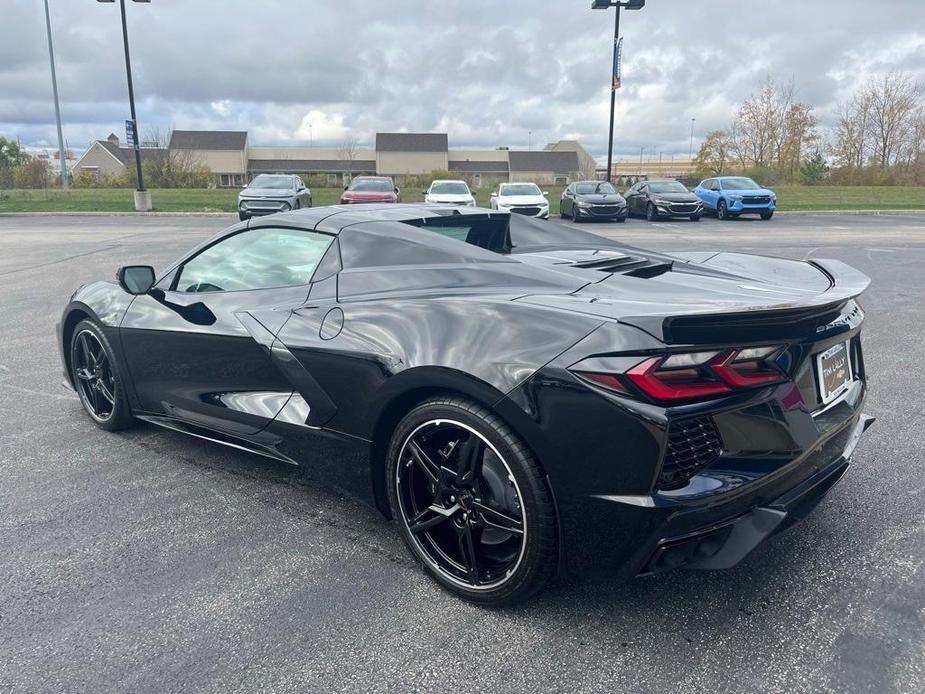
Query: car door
630 197
711 193
198 346
567 203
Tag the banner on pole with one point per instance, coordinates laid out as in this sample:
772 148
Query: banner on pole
131 134
617 65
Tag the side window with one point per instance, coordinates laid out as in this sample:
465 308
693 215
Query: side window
716 185
255 259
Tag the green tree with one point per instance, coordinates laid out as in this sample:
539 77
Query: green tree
10 153
814 169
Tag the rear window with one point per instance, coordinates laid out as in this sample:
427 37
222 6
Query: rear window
486 232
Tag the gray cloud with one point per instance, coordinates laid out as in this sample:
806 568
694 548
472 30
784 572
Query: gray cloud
487 72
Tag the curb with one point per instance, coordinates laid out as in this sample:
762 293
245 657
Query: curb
855 213
82 213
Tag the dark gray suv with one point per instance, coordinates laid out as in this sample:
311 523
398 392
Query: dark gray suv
271 193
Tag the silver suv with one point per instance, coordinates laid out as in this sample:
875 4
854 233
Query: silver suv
271 193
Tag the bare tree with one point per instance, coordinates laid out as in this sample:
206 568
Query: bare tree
850 147
714 154
895 104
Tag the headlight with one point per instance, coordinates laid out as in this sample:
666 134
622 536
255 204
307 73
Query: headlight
545 203
773 196
661 202
583 204
735 197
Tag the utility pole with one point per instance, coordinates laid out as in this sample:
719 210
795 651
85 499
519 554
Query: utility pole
690 152
54 89
615 77
142 196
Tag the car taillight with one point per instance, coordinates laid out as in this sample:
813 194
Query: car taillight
692 375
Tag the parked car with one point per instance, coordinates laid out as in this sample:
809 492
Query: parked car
364 189
521 198
524 399
449 193
583 200
272 193
663 199
730 196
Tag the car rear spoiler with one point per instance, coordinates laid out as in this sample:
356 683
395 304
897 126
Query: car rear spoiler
763 321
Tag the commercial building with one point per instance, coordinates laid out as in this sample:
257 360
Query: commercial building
233 160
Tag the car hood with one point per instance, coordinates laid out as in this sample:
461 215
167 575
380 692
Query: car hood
368 195
612 198
675 197
649 290
449 197
750 191
522 199
266 193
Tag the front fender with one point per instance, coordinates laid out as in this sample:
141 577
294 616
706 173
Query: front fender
105 303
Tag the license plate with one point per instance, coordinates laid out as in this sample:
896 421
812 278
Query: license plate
834 370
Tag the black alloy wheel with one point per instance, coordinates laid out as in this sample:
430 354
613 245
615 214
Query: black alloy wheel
651 214
471 502
695 217
96 378
767 215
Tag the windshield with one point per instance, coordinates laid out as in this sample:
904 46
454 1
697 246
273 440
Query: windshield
667 187
371 185
594 188
264 181
449 188
520 189
739 183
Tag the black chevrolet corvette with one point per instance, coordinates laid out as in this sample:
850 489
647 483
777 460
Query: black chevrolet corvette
524 399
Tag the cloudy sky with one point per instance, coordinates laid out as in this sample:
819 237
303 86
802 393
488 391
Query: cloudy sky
488 72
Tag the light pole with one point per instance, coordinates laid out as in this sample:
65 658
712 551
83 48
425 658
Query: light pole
690 152
54 89
614 84
142 196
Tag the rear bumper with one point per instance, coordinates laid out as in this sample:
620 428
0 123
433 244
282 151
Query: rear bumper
723 545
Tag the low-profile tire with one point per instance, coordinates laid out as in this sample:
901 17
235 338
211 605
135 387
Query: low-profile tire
722 212
651 214
620 220
695 217
97 378
767 215
471 502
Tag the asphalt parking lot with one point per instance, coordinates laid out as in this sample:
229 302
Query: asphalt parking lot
149 561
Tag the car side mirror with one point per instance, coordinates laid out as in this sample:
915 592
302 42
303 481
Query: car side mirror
494 195
423 192
136 279
397 191
345 187
546 193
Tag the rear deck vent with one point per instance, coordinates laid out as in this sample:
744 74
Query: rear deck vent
693 444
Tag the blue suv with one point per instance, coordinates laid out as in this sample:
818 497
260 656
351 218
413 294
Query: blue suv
730 196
